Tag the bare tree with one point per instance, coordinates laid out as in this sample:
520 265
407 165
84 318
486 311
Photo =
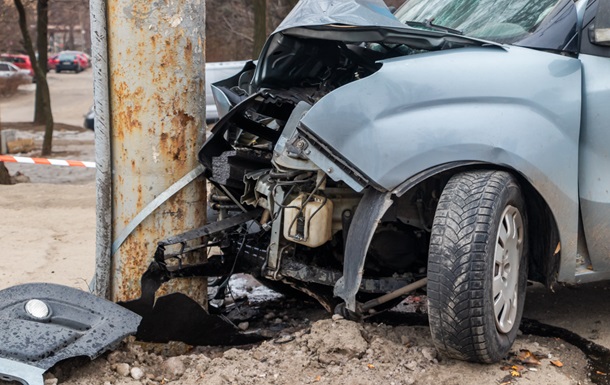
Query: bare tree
260 26
12 42
5 177
41 77
42 42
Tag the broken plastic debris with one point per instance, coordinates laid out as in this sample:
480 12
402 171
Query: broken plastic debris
557 363
527 358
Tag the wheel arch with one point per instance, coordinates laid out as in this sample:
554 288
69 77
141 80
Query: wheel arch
542 229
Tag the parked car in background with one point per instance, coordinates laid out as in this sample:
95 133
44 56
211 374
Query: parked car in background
21 61
215 72
8 70
11 77
52 62
69 62
83 58
90 118
88 57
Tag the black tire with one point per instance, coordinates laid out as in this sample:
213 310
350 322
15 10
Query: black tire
57 71
465 241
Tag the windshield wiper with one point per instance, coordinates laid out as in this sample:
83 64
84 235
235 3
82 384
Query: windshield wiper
429 23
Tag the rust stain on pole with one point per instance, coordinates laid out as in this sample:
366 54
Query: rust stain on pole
157 98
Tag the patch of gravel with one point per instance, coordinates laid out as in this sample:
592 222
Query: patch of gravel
327 352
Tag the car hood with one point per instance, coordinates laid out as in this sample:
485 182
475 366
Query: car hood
357 21
309 13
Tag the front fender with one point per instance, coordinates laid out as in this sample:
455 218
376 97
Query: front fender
514 107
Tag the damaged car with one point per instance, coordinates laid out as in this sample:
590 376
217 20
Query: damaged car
455 146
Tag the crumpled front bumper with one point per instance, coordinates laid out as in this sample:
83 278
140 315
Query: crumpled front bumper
74 323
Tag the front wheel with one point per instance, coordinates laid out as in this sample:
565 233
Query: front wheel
477 266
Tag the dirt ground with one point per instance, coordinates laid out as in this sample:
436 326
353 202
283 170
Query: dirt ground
47 230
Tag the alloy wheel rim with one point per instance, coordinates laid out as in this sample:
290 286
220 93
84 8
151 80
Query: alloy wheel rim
507 256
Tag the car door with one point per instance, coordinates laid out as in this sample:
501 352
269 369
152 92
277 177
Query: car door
4 70
594 167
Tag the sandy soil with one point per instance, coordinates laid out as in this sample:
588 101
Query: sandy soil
47 234
328 352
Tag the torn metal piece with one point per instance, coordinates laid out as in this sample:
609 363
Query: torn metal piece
42 324
212 228
368 214
176 317
152 206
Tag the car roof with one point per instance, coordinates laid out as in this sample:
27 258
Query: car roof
19 55
9 63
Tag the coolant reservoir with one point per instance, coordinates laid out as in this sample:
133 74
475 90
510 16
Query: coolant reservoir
312 225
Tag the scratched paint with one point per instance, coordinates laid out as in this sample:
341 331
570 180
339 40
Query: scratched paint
157 98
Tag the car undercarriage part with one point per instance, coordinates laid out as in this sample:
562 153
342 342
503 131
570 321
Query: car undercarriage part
362 309
42 324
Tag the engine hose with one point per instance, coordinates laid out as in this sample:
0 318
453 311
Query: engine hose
220 198
218 206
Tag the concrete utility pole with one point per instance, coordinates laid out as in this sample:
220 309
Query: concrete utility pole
149 63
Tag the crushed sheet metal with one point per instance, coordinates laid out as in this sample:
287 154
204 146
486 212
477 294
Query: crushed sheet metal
45 161
152 206
79 324
309 13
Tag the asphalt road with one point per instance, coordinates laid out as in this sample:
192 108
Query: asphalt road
71 98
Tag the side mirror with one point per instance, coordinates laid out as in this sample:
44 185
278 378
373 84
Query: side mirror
599 33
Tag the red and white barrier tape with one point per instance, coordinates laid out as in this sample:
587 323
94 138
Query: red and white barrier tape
52 162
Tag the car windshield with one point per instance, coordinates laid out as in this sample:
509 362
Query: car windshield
66 57
503 21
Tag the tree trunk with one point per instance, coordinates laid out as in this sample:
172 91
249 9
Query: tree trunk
41 79
42 42
71 45
5 177
260 26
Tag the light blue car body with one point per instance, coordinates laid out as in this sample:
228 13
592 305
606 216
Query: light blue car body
540 114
